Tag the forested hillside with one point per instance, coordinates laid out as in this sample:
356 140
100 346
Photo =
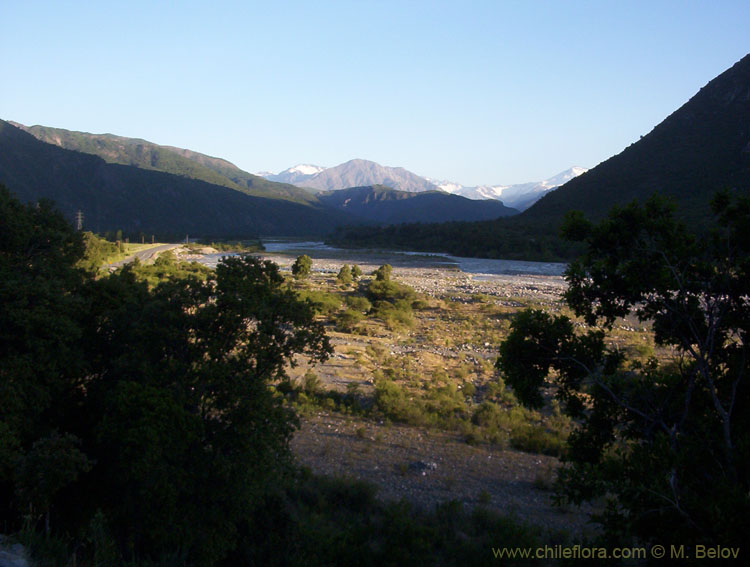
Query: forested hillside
136 200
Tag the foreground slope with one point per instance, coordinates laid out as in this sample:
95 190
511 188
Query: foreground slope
114 196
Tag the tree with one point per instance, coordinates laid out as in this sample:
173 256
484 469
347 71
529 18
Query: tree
40 355
302 267
344 276
666 442
383 273
356 272
152 406
185 424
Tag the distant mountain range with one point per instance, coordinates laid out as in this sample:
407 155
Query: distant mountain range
141 187
519 196
353 173
360 172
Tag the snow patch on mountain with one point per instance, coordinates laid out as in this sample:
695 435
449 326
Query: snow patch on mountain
519 196
294 175
305 169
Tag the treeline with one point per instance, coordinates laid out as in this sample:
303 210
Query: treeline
502 238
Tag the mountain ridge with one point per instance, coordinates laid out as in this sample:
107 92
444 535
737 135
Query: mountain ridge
169 159
384 205
700 148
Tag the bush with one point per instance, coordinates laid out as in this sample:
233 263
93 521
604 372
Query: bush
359 303
348 319
323 303
392 400
394 315
387 290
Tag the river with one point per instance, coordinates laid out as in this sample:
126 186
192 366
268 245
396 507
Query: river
288 249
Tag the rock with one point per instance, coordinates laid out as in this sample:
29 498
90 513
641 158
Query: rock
423 467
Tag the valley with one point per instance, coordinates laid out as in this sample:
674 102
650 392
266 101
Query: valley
416 407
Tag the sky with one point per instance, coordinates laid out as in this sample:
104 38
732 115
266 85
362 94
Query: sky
495 92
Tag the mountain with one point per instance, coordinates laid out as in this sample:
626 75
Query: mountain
384 205
114 196
296 175
360 173
702 147
187 163
520 196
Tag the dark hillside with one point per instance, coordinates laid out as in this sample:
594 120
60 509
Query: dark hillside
178 161
114 196
383 205
701 148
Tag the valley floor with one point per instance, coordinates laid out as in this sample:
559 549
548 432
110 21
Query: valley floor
456 340
452 343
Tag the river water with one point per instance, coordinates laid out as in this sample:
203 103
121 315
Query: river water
483 268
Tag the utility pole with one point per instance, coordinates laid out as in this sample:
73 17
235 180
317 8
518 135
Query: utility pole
79 220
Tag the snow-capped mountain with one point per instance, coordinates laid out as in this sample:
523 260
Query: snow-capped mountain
359 172
353 173
295 175
519 196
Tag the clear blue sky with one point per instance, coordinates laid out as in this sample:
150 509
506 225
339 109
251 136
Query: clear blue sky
474 92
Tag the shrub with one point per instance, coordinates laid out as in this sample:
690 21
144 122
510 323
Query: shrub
323 303
358 303
348 319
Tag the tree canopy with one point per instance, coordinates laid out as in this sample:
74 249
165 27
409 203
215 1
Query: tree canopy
302 267
151 405
665 442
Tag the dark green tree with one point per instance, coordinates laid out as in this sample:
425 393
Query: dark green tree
40 331
356 272
149 408
302 267
383 273
184 422
667 442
